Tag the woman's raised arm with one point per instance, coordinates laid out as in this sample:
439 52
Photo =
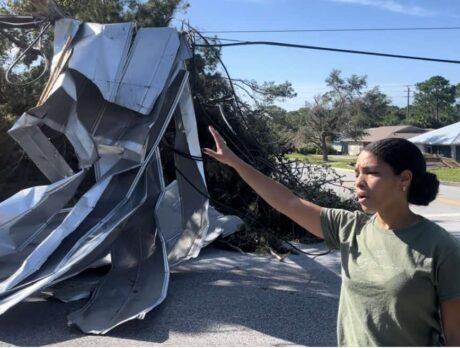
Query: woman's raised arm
305 213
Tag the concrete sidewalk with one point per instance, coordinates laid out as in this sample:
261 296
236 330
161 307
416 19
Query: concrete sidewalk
223 298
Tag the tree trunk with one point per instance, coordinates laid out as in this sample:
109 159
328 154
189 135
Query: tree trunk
324 148
437 114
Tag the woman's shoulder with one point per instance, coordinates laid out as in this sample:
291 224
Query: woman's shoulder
438 237
345 216
346 222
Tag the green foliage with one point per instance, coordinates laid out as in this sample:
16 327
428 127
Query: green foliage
434 103
312 149
395 116
342 111
154 13
259 138
264 95
375 107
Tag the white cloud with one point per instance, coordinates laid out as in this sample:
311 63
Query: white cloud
393 6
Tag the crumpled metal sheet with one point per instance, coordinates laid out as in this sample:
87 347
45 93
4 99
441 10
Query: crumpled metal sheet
38 147
71 222
113 101
122 77
139 277
59 112
169 217
30 210
192 186
139 88
100 52
10 263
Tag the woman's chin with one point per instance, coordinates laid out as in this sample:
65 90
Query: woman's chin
366 208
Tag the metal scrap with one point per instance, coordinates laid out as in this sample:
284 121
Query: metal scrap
112 92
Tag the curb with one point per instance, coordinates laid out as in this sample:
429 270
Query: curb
450 183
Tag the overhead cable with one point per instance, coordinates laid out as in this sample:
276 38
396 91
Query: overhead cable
20 22
283 44
22 55
329 30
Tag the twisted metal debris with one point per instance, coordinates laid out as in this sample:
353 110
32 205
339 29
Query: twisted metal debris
112 92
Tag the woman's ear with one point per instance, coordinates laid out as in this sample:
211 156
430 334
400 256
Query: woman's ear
405 179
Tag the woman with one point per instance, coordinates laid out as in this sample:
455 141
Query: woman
400 271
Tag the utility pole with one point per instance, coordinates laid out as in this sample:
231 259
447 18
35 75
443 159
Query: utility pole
408 102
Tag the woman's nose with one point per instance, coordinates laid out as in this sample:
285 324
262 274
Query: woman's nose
359 180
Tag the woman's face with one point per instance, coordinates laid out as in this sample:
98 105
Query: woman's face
378 188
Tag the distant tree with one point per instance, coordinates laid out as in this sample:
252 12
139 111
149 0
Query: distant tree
263 95
395 116
375 106
434 103
345 110
286 125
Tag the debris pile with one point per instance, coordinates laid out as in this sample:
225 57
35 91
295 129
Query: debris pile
112 92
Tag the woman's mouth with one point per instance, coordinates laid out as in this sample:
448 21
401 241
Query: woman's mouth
362 197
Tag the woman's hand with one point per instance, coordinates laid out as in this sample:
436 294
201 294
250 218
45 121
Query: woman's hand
305 213
222 153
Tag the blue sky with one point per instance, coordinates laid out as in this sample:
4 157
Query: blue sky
307 69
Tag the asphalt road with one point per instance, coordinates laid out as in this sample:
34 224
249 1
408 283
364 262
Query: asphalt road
223 298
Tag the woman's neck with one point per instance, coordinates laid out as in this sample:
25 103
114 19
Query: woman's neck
397 218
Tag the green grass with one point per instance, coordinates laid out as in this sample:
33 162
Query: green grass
347 162
343 162
447 174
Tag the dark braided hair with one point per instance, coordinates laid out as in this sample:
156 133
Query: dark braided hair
401 154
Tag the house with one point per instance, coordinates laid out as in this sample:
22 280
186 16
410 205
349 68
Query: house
353 147
444 141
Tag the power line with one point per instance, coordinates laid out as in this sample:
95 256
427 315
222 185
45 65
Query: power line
282 44
221 39
329 30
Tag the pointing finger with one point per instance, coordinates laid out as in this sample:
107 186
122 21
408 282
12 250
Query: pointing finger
217 137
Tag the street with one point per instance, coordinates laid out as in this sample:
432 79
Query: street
222 298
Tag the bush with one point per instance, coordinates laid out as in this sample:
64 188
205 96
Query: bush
309 149
312 149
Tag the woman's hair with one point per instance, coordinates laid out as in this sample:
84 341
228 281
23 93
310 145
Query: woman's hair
401 154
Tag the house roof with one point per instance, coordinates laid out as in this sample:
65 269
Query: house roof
379 133
448 135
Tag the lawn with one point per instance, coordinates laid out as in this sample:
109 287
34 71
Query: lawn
348 162
343 162
447 174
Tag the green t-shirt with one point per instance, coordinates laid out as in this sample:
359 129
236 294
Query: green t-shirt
393 281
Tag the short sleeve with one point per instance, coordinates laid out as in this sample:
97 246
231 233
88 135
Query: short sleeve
448 276
339 224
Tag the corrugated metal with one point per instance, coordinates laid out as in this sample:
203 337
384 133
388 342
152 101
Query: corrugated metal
100 52
448 135
113 102
151 58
